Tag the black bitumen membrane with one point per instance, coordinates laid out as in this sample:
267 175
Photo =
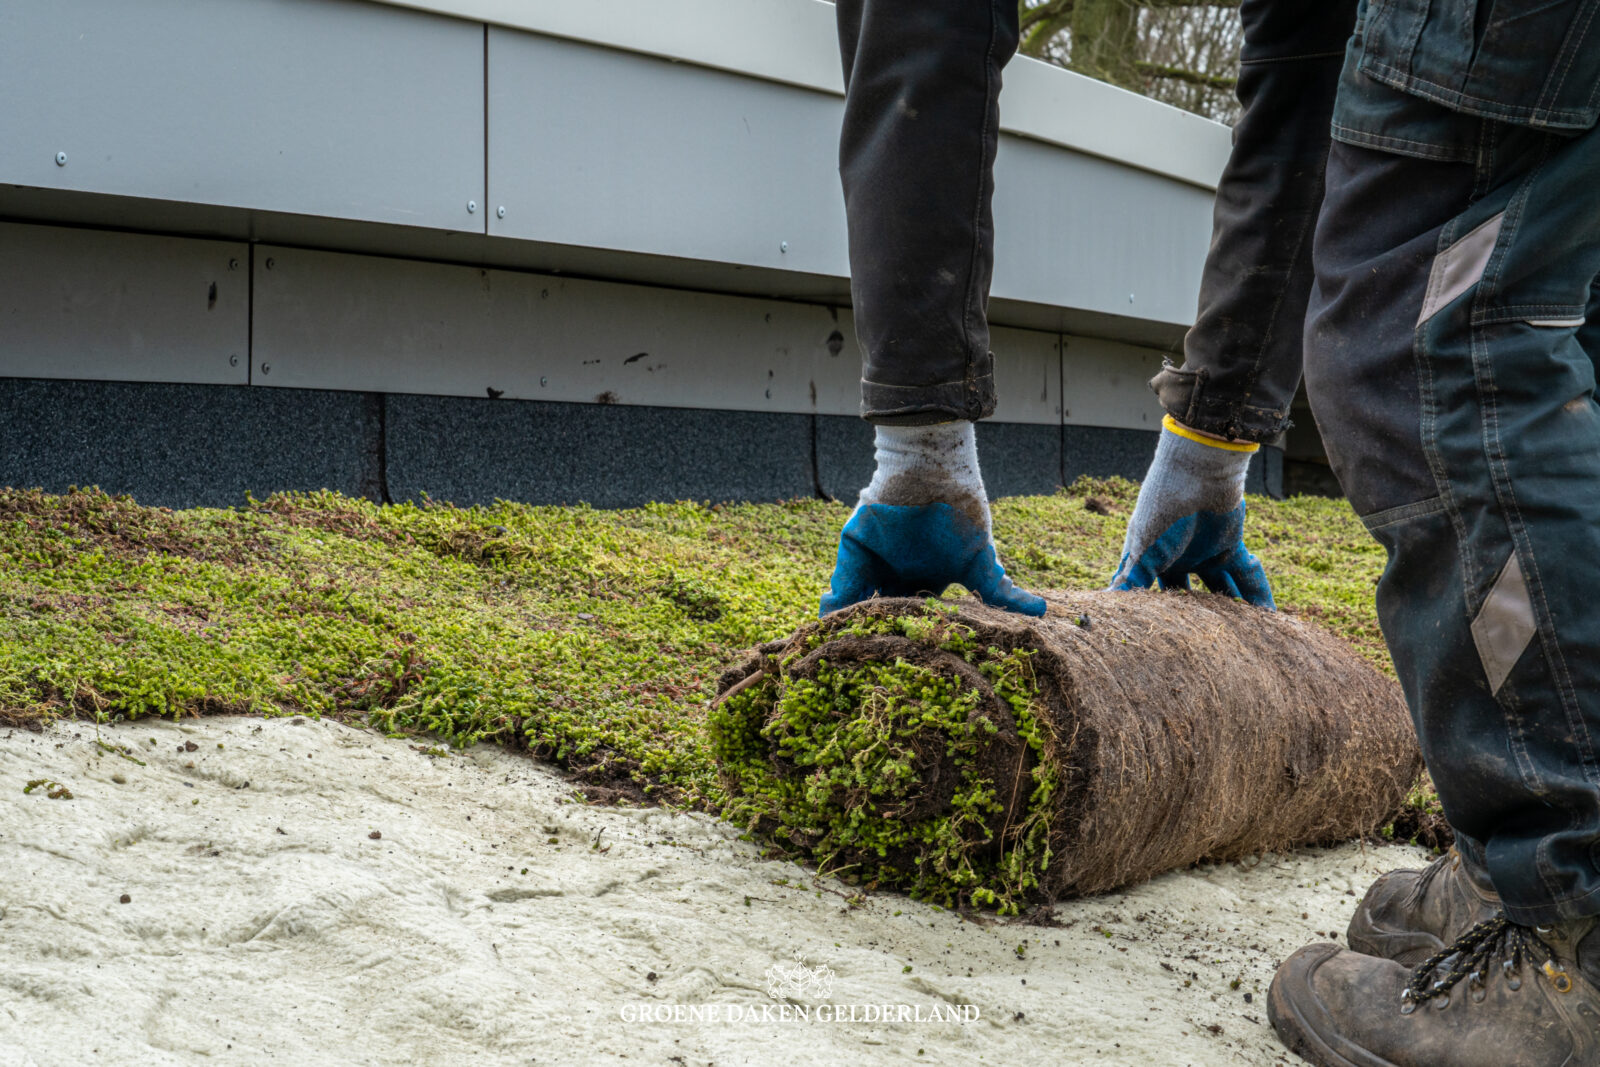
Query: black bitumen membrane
208 445
472 451
186 445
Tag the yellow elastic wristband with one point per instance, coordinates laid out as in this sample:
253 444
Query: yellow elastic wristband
1183 431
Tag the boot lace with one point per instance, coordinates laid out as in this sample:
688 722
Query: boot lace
1494 941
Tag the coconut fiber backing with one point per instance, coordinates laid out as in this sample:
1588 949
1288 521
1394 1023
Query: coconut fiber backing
974 756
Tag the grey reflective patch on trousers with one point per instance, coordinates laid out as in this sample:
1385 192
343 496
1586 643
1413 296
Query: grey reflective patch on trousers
1567 324
1504 625
1459 267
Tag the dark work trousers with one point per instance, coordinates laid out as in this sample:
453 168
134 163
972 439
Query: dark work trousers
1450 361
916 155
1242 357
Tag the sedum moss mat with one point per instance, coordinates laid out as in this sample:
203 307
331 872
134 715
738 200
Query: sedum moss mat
593 638
840 762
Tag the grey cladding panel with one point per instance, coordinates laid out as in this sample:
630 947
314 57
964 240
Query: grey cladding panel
678 160
1019 460
653 156
333 321
320 107
844 456
1027 374
119 306
1105 383
1081 232
327 320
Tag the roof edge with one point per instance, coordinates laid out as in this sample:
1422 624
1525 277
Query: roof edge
793 42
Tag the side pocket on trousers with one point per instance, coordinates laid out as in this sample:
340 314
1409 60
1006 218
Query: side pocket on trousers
1420 597
1378 520
1572 323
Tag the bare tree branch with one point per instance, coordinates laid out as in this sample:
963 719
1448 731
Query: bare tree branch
1049 10
1209 81
1043 24
1182 52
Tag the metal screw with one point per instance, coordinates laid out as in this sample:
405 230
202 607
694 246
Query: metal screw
544 382
783 246
472 205
500 212
271 263
1130 298
233 360
266 368
61 159
233 264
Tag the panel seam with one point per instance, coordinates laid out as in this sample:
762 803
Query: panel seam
250 314
485 129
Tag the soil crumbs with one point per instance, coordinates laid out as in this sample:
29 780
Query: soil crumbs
241 890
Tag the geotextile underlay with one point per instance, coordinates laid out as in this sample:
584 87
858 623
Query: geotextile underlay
976 757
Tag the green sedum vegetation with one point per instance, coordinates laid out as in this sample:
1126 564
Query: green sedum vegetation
865 740
591 638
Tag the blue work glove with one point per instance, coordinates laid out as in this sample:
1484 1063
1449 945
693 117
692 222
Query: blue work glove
890 550
923 525
1190 520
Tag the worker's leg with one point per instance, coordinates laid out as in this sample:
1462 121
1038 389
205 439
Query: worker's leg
1444 366
1589 335
916 154
1458 409
1242 357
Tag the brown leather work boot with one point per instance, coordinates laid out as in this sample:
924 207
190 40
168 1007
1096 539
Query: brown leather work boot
1409 915
1501 995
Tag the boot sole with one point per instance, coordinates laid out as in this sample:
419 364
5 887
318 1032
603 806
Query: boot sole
1293 1032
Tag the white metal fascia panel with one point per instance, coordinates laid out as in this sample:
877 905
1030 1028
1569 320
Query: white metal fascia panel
1044 102
126 307
790 41
329 108
679 160
661 158
1075 231
794 42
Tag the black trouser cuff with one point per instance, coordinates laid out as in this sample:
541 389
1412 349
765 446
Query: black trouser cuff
922 405
1182 392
